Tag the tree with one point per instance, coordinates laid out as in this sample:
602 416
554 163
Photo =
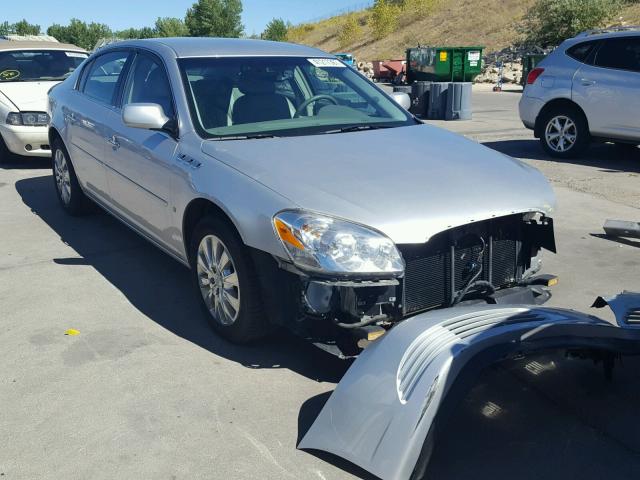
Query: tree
170 27
384 17
215 18
136 33
549 22
275 30
350 30
6 28
20 28
79 33
25 28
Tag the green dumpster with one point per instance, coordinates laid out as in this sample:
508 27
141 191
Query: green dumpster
529 62
443 64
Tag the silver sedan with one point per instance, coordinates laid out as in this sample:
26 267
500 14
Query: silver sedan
298 192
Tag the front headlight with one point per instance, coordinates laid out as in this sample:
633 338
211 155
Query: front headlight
29 119
330 245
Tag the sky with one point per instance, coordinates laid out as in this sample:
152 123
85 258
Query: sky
121 14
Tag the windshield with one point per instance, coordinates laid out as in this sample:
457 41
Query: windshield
283 96
38 65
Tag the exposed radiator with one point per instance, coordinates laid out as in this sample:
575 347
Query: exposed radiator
437 270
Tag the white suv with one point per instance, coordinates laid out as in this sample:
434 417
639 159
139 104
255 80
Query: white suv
587 90
28 70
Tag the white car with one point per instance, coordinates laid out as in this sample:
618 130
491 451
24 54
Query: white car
28 70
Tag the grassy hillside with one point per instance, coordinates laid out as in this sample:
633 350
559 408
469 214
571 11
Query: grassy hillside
491 23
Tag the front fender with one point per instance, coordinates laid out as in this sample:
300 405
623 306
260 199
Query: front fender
386 405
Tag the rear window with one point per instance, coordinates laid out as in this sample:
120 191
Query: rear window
582 51
621 53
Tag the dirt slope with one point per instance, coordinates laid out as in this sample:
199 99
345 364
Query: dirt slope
490 23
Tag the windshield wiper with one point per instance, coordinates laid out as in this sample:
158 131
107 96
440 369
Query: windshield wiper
255 136
357 128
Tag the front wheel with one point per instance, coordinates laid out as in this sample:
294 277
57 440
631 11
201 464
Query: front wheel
68 190
225 278
5 154
565 132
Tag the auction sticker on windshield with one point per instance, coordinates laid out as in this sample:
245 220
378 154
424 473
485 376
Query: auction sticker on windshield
9 74
76 54
326 62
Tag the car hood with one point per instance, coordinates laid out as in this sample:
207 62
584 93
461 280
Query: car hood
27 96
409 182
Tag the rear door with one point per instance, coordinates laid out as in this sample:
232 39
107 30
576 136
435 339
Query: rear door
86 115
608 89
140 161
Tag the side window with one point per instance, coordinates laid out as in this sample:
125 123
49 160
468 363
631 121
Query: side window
148 83
102 76
581 51
621 53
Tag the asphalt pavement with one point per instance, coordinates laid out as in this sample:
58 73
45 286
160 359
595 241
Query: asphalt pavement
146 390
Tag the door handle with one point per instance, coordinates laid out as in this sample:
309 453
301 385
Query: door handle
586 82
113 142
71 118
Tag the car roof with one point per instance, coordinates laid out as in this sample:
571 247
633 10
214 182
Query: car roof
226 47
608 33
37 45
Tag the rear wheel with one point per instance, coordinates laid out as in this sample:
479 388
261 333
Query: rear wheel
565 133
627 150
68 190
225 278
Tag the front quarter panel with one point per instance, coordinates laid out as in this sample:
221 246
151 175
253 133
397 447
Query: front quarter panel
249 204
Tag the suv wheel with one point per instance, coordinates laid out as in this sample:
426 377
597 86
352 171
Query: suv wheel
627 150
565 133
227 284
68 190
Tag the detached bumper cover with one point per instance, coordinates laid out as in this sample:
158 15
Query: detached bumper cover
388 402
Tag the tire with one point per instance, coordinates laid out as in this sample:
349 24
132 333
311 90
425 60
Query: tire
68 190
570 129
5 155
240 316
627 150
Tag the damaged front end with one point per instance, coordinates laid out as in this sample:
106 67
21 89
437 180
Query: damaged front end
491 262
387 409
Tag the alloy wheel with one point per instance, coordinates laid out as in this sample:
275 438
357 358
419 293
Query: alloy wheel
218 280
561 133
63 178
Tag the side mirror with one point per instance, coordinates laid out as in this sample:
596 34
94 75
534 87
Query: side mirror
402 99
148 116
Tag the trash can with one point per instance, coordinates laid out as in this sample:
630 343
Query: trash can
420 98
443 64
437 102
458 101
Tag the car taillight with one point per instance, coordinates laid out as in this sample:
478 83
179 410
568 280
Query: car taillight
534 74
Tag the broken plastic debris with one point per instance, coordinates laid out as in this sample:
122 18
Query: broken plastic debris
72 332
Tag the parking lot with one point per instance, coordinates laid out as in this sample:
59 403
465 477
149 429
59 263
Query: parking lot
146 390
